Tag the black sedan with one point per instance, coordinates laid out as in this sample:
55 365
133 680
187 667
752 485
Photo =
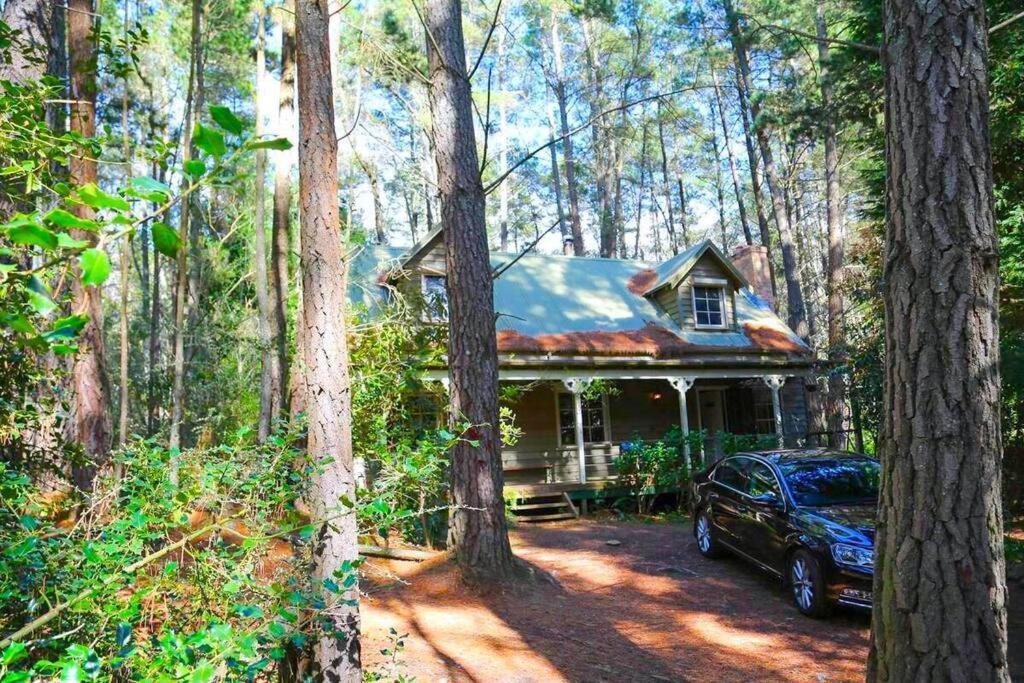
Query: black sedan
806 516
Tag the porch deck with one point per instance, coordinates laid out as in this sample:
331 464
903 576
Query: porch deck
574 489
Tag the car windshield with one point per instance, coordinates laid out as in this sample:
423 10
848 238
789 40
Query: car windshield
832 481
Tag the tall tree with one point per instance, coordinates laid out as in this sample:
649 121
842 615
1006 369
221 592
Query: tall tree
666 184
91 424
727 143
568 155
477 531
270 393
126 250
324 347
940 584
795 310
184 217
280 248
835 408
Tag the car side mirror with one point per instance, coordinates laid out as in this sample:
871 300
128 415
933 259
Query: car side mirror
768 499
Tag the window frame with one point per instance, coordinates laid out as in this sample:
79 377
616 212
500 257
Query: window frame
721 289
558 422
428 315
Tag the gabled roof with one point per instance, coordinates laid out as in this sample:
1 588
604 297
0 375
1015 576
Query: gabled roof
669 273
565 305
423 245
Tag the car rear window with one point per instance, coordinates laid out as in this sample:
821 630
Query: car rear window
832 481
731 474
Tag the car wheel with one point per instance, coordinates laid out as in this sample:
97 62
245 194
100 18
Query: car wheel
703 530
808 585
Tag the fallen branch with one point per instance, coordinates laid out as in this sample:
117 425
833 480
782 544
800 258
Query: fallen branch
408 554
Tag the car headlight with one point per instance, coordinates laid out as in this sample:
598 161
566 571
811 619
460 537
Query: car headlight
854 556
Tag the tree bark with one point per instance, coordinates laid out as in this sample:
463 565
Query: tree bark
181 284
477 531
719 189
556 182
280 248
503 140
835 408
940 584
124 267
269 372
91 425
683 222
325 346
568 157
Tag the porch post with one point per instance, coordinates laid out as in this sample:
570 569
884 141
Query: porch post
682 385
775 383
577 385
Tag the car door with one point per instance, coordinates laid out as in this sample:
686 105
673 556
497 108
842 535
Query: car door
727 498
763 523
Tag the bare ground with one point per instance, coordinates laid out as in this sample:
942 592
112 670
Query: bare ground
650 609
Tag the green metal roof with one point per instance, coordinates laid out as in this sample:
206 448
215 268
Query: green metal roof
575 298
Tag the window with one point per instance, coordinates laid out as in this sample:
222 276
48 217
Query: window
762 480
425 412
764 412
709 306
435 298
593 420
731 473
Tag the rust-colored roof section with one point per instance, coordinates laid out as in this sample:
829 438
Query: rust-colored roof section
652 341
772 339
642 281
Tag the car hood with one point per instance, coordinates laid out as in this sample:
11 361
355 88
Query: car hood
842 523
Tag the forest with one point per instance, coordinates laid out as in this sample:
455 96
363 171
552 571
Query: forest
190 401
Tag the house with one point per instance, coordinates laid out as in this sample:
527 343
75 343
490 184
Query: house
692 342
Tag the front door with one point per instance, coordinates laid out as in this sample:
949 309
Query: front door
711 403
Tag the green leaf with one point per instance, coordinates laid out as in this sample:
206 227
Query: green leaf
149 189
195 167
91 195
224 118
66 328
209 140
279 144
203 673
13 653
34 234
66 219
39 297
166 240
95 266
66 241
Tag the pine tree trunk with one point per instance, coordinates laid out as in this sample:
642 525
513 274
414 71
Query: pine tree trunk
181 283
325 346
733 173
835 408
269 372
502 142
124 267
568 157
684 227
477 530
280 248
940 584
91 426
719 189
670 219
556 182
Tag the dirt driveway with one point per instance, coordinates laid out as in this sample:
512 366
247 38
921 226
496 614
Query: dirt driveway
649 609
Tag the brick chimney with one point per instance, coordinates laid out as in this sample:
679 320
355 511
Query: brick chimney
568 246
752 261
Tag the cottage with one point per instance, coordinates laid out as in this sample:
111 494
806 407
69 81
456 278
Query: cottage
691 342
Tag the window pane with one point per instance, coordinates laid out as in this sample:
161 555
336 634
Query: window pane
593 419
762 480
730 473
435 297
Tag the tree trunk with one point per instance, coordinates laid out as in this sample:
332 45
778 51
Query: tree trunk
91 423
940 584
683 222
670 219
126 250
556 182
568 157
33 19
836 404
503 139
719 189
181 284
640 189
795 312
733 173
477 531
269 372
280 248
742 73
325 347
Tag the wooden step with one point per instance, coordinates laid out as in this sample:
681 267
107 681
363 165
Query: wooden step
556 506
546 518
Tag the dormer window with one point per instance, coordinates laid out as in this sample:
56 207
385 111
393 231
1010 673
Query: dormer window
709 306
435 298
